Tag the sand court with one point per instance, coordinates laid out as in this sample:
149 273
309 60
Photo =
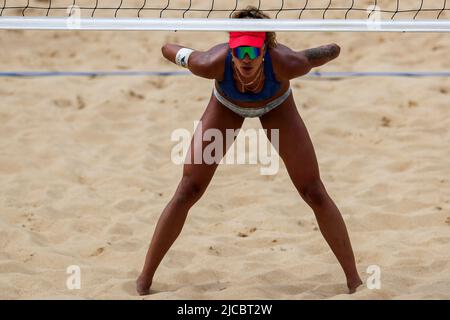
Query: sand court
85 169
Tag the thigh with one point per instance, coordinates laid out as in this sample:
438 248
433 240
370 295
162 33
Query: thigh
217 117
295 145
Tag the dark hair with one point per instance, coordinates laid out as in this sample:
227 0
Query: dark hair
252 12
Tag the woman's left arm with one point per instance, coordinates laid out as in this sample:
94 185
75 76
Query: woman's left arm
299 63
321 55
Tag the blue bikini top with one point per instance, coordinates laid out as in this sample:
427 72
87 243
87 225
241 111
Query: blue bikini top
271 85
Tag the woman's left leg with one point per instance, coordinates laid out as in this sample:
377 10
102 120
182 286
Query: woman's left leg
297 151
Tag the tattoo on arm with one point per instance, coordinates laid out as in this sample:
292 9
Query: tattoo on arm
323 54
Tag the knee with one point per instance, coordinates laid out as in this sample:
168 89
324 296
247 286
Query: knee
189 191
314 193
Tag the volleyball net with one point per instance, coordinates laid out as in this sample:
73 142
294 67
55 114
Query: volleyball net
217 15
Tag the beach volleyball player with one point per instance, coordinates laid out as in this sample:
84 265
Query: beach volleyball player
252 73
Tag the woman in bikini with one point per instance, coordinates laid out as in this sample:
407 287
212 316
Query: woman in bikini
252 73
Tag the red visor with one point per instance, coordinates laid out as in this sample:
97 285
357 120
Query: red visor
253 39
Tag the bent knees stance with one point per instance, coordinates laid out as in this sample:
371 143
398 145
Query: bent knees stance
189 191
314 193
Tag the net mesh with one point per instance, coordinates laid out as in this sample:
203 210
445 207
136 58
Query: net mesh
282 9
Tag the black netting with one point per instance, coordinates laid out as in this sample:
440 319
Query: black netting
277 9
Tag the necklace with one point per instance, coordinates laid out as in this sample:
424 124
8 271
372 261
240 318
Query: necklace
252 86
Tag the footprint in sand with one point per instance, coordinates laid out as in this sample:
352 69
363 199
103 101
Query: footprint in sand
213 250
385 122
129 205
245 234
80 103
412 104
67 103
97 252
129 286
62 103
217 207
29 258
158 83
121 229
447 221
135 95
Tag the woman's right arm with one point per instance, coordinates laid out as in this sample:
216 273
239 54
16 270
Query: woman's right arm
200 63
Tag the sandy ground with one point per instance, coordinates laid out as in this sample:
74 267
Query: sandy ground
85 172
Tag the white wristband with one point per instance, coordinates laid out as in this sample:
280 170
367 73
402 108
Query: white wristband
182 57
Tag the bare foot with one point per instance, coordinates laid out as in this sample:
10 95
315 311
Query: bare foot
353 285
143 286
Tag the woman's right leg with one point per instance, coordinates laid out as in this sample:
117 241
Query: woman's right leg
196 177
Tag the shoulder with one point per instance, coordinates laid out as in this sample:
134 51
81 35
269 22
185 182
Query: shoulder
286 61
209 64
217 57
219 51
281 50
